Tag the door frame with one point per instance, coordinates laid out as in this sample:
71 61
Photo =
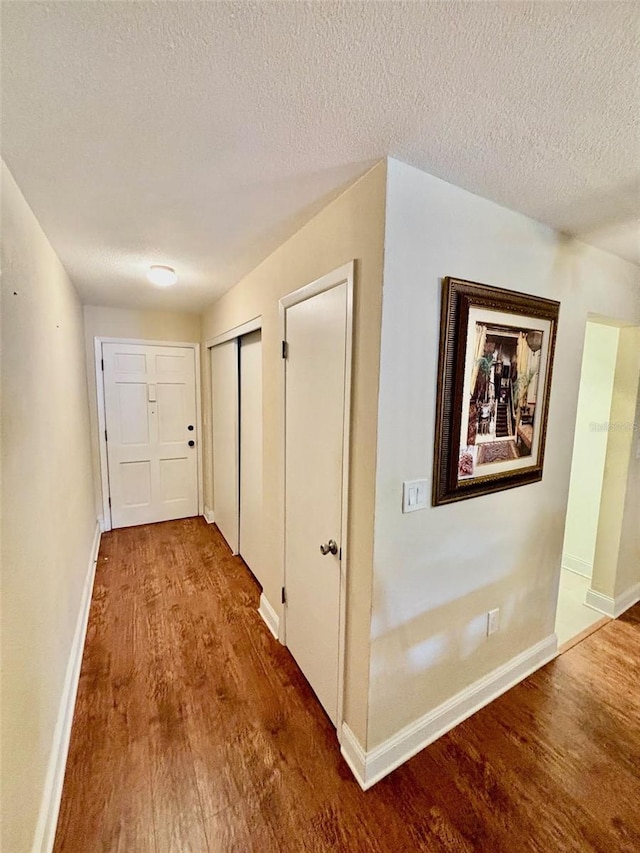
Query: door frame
234 333
341 275
105 521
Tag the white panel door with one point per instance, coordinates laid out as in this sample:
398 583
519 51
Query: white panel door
150 410
251 451
315 371
226 434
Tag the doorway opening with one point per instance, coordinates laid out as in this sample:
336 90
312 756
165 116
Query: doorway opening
590 590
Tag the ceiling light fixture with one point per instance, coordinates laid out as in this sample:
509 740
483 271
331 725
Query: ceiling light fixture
161 275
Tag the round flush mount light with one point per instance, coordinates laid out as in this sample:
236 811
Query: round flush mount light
161 275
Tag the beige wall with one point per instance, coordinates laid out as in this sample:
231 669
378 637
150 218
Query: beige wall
351 227
589 447
48 521
438 571
134 324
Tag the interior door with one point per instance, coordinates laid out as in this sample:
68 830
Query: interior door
315 373
150 411
250 547
226 438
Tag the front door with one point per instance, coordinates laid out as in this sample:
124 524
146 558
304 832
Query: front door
315 376
150 411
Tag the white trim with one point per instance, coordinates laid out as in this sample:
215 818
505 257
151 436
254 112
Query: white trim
102 444
370 766
235 544
349 271
105 520
243 329
325 282
269 615
208 515
342 275
143 342
613 607
577 565
355 756
200 424
52 791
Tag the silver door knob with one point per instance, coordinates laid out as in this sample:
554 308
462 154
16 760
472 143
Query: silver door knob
330 548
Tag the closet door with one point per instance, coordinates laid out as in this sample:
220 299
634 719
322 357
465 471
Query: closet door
226 438
251 451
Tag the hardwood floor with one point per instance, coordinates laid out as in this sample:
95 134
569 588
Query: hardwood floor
195 731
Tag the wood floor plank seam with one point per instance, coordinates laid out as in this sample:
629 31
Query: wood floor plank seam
195 732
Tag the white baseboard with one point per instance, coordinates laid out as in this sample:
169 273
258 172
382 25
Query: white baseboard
52 791
370 766
613 607
208 515
576 565
269 615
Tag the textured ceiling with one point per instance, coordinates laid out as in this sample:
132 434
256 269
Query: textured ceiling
202 134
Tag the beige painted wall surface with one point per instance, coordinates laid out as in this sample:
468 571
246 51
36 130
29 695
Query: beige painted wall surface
351 227
589 446
614 568
127 323
48 519
438 571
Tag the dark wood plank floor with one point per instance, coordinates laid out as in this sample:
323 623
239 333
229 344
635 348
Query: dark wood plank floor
195 731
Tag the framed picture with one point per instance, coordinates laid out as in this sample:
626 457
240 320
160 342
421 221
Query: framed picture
494 379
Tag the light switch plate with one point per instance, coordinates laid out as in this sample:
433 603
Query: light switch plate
414 495
493 621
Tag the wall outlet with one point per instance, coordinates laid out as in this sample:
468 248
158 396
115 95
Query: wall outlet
493 621
414 495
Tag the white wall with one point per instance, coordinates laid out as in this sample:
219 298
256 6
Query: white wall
438 571
48 518
589 447
627 575
135 324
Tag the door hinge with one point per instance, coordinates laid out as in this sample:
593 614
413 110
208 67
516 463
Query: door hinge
284 596
105 435
285 349
109 501
102 363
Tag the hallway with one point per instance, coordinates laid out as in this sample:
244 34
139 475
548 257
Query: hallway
195 731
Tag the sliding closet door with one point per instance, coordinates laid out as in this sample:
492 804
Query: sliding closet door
226 437
251 451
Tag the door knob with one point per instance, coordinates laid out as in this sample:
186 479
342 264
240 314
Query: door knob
192 444
329 548
190 427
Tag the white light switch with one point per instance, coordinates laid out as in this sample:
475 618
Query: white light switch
414 495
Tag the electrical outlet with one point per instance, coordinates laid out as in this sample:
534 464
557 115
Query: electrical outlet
493 621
